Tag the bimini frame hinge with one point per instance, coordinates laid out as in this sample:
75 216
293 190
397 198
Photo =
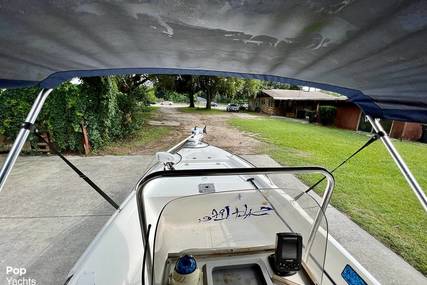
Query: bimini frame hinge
27 126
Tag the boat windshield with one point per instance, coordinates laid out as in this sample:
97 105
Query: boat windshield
235 221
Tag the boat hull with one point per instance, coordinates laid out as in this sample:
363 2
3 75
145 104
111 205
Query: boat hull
115 255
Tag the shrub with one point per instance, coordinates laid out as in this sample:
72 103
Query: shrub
62 116
97 103
175 97
14 106
151 96
327 114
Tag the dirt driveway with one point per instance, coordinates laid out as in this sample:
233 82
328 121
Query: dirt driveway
219 132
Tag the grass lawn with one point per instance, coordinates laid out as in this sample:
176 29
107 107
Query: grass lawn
144 136
201 111
140 139
369 188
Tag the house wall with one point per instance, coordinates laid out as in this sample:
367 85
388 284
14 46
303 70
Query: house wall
267 105
396 129
347 117
406 131
285 108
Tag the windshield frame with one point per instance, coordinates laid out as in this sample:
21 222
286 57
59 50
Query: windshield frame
226 172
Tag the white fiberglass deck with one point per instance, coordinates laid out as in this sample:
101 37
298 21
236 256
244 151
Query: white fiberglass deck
115 256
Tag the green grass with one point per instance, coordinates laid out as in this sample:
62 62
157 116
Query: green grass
141 138
148 111
201 110
369 188
136 143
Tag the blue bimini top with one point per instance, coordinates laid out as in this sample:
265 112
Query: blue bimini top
373 52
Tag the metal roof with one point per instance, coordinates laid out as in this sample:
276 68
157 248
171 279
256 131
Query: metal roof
374 52
300 95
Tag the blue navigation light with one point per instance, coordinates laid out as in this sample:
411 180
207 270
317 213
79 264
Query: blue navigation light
351 276
185 264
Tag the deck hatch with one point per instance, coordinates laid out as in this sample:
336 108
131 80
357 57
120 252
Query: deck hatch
242 274
205 188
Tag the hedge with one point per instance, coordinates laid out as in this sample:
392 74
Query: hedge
96 104
327 115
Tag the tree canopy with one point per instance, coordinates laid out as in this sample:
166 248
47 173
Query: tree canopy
226 89
109 107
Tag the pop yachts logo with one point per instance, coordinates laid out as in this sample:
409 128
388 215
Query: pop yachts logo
16 276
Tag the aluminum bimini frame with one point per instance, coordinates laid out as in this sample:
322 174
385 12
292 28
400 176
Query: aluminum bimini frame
44 93
416 188
22 136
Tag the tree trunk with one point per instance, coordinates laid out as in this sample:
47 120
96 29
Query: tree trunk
191 100
208 99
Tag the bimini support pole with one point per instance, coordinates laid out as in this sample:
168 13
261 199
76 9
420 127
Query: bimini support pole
416 188
22 135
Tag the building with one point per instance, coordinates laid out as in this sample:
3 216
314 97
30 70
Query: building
302 104
292 103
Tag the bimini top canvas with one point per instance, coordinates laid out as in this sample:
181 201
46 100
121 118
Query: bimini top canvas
374 52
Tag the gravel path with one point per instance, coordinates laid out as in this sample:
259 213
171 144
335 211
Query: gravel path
219 132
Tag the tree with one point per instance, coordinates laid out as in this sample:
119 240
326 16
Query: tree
210 86
191 96
129 83
183 84
250 88
103 116
163 84
186 84
228 88
278 85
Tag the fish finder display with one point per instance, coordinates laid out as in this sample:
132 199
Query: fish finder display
289 248
287 257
